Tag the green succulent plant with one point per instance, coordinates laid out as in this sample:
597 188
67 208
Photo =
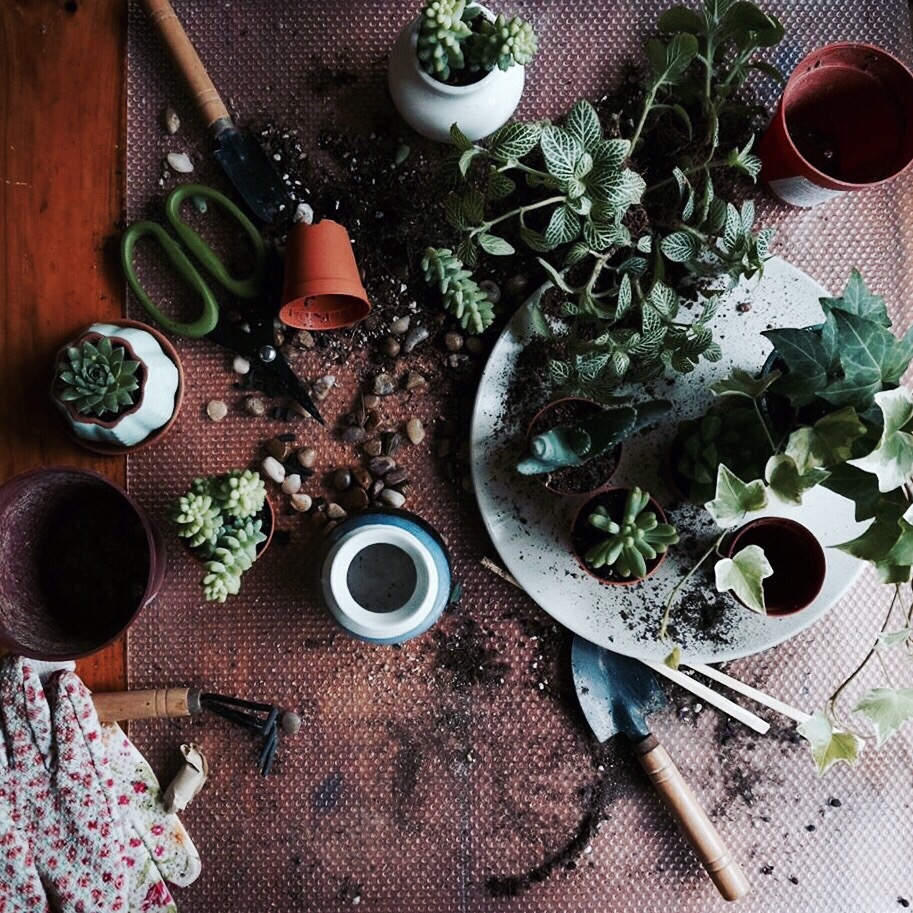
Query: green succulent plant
502 44
240 493
197 519
233 554
630 543
461 294
97 378
734 437
591 437
441 35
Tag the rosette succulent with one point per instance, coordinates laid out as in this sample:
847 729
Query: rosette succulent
502 44
630 543
197 518
241 493
234 553
97 378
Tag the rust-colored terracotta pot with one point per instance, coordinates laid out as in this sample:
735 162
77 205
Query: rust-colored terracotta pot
79 558
322 288
797 559
613 499
541 423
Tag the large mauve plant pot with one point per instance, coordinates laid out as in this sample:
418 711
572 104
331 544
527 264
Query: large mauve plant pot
79 558
797 559
583 535
430 107
158 400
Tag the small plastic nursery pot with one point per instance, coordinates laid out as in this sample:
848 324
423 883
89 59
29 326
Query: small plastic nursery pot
322 288
158 400
385 576
844 123
430 107
583 535
79 558
564 411
797 559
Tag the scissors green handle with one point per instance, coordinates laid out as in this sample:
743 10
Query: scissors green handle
247 287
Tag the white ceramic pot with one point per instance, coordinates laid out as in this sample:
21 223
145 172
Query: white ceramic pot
159 392
431 107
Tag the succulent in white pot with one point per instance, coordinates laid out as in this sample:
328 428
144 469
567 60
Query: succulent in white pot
459 63
118 385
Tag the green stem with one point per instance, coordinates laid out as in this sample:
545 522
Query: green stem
719 163
519 211
770 440
677 589
519 166
648 106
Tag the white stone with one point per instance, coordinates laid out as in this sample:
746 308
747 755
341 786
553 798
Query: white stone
240 365
180 162
291 485
274 469
304 212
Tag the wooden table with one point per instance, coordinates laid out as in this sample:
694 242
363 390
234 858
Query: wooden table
62 156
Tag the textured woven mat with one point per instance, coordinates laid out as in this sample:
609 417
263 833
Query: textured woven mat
422 772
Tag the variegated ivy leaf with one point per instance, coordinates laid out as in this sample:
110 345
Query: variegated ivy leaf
829 746
734 498
679 247
785 480
887 710
859 300
892 460
744 573
826 443
561 150
513 141
582 121
741 383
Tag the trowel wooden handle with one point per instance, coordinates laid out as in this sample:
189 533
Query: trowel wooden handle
185 58
116 706
690 816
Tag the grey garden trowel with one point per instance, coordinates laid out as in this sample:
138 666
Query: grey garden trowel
616 693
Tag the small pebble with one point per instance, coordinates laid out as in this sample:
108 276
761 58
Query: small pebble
743 307
400 325
396 477
390 347
381 465
353 434
372 447
390 442
361 477
304 212
356 499
491 289
453 360
290 723
475 345
372 420
392 498
278 449
342 479
303 339
240 365
318 518
370 401
415 430
453 341
307 457
274 469
415 381
253 405
216 410
322 386
416 337
172 121
376 488
179 162
516 286
335 511
301 501
384 385
291 485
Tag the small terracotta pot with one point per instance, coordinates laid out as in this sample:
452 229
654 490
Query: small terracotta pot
79 558
73 417
546 480
618 494
322 288
844 123
796 557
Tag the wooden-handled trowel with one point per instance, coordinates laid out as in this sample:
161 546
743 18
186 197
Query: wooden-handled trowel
616 694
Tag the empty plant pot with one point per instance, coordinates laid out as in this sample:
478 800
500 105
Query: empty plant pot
844 123
593 476
797 559
584 535
322 289
78 560
385 576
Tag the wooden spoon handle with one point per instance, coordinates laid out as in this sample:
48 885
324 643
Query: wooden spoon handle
165 20
691 818
154 703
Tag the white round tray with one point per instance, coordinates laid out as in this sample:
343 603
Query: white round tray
530 526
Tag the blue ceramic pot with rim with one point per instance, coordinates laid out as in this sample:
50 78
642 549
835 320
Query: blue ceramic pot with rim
385 576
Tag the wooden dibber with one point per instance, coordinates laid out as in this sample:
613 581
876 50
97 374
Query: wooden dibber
153 703
206 97
691 818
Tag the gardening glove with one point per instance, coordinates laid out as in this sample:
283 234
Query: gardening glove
62 811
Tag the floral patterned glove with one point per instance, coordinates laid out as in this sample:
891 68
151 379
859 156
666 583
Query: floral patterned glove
61 810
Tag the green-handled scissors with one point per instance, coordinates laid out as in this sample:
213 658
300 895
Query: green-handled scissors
254 339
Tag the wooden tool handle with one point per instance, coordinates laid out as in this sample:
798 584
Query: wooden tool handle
185 58
153 703
690 816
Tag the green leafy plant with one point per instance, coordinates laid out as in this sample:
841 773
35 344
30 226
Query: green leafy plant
456 41
627 225
97 378
217 518
636 538
573 445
